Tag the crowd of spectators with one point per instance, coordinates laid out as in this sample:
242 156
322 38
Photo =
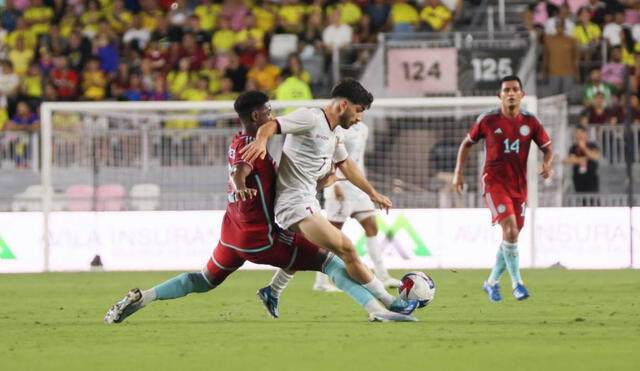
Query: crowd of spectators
587 46
137 50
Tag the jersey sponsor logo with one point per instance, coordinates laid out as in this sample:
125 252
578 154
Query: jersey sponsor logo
323 137
5 252
524 130
498 131
502 208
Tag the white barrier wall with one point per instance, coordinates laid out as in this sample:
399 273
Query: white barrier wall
582 238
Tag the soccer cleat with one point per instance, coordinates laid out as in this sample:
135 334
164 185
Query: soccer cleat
520 292
390 282
493 291
269 301
391 317
403 306
325 287
125 307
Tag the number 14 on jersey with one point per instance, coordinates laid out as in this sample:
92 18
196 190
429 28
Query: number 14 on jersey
513 147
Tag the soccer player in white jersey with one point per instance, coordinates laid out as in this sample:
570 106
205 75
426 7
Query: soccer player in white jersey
310 150
343 200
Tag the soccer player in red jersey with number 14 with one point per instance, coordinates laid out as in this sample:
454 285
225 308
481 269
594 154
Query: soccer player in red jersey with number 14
508 132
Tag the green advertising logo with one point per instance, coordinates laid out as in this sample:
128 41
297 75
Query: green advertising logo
5 252
401 223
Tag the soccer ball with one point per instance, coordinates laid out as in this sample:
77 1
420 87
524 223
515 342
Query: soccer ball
417 286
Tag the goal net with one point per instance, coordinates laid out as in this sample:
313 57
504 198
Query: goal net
172 155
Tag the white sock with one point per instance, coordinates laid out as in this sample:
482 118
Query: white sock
376 288
321 279
148 296
374 307
279 282
376 257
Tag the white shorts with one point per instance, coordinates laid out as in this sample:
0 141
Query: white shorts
290 210
339 211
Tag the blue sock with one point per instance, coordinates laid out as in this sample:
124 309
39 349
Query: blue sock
182 285
498 268
512 259
338 274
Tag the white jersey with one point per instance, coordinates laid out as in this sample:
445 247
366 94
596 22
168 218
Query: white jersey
309 149
355 141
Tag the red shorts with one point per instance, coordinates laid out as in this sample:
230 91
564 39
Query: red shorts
289 251
502 205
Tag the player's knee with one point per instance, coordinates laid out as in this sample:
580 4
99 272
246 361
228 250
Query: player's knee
346 251
511 234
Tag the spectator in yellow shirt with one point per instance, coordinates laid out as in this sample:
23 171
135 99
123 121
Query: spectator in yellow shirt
291 16
208 12
210 71
224 39
199 92
264 74
24 32
32 82
349 12
119 17
180 80
404 17
251 35
587 34
266 13
90 18
436 16
150 14
94 81
20 57
38 16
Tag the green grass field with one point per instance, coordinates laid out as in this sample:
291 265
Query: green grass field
575 320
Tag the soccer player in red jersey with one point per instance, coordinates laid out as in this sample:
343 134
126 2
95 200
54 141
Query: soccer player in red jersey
250 234
508 132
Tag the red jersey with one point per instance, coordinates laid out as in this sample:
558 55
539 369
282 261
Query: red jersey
248 225
507 143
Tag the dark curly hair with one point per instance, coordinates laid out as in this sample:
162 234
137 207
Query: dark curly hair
248 102
352 90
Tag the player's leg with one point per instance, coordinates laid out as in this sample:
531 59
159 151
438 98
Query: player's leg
511 231
222 263
497 203
367 220
309 257
317 229
337 213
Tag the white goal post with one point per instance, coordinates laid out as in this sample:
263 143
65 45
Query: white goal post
403 131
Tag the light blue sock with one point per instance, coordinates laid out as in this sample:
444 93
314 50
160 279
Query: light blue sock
181 285
338 274
498 268
512 259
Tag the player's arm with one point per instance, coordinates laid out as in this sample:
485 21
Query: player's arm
463 154
328 179
352 173
239 173
547 161
258 148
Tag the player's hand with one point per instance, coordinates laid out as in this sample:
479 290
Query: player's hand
244 194
458 183
328 179
253 151
381 201
546 171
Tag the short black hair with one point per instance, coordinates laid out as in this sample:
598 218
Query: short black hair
352 90
248 102
511 78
